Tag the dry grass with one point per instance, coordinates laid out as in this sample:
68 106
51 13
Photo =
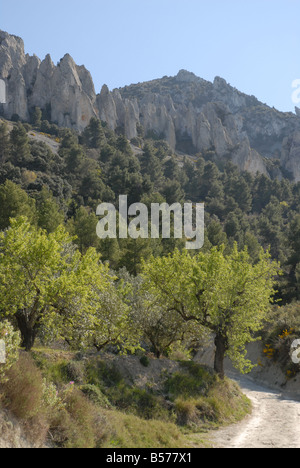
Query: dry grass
129 431
111 413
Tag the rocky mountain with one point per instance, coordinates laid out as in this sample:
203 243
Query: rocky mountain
191 114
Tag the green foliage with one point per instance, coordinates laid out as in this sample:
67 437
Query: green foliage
49 215
144 360
20 148
98 373
194 380
55 286
4 143
99 165
46 282
93 136
15 202
225 294
36 117
281 330
159 327
95 395
222 404
11 340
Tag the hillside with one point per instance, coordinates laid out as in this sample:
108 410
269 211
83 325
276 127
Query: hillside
191 114
102 334
95 401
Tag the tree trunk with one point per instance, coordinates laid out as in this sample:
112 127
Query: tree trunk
221 348
28 332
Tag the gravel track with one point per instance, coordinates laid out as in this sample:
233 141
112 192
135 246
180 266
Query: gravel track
274 422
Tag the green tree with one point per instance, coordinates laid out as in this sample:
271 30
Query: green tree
157 325
173 192
84 228
215 233
44 280
133 251
123 145
36 117
151 164
93 135
113 324
15 202
225 294
49 215
20 148
4 143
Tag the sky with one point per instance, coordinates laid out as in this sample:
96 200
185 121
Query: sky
253 44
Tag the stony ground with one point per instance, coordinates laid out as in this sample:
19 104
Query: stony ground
274 422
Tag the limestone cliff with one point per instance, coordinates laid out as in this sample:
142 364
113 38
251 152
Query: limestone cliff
193 115
66 90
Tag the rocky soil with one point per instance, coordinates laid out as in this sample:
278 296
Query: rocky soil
274 422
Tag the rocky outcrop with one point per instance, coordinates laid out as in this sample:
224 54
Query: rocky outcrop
66 90
290 156
193 115
12 63
12 435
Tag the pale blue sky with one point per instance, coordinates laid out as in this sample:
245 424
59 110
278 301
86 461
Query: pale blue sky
253 44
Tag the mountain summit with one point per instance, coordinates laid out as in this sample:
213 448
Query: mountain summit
193 115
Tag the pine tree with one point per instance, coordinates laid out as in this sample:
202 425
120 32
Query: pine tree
20 148
4 142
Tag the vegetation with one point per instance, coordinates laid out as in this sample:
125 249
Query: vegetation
60 285
225 294
106 411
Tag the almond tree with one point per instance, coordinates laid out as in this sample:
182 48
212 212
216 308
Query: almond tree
45 280
225 294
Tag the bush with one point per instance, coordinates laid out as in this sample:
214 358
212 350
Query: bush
139 402
145 361
195 380
23 390
95 395
99 373
223 404
23 395
76 426
75 371
11 340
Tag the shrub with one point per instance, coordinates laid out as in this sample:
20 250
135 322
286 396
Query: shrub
75 426
11 340
145 361
194 380
223 404
53 371
139 402
99 373
95 395
23 390
23 395
75 371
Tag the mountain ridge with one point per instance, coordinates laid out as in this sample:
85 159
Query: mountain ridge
193 115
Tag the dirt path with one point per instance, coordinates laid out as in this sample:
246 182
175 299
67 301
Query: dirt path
274 422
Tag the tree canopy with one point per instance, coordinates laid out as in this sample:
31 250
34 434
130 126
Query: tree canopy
225 294
46 282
